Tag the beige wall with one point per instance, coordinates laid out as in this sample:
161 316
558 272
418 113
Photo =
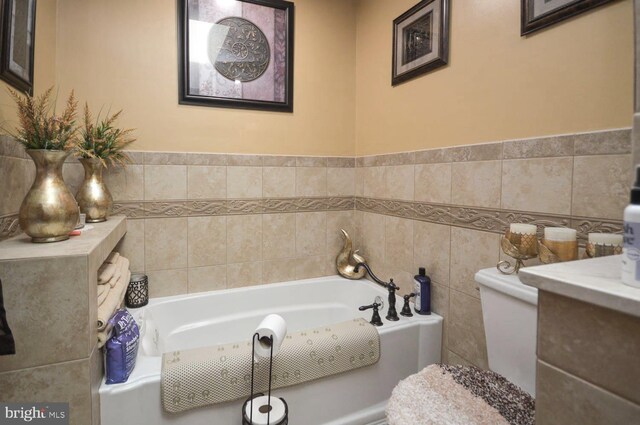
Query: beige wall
45 54
576 76
573 77
124 54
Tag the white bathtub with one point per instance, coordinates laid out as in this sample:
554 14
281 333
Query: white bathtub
199 320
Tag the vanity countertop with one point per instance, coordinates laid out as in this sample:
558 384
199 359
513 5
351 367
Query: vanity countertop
595 281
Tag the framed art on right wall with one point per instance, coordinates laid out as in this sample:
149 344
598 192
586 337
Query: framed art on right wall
420 40
538 14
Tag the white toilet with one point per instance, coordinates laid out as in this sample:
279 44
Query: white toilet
509 310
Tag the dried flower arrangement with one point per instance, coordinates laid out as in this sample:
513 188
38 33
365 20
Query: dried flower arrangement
40 127
101 140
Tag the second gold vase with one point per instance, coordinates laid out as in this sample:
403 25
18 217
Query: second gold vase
93 196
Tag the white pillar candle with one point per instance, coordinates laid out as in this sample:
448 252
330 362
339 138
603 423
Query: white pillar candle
605 239
560 234
523 229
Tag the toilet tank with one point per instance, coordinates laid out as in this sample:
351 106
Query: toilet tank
510 311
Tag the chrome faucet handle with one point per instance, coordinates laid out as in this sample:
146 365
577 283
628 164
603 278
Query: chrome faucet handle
375 318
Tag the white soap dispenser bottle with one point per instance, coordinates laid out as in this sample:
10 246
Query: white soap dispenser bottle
631 249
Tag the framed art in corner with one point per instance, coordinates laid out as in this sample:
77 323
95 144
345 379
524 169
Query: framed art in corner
538 14
18 27
236 54
420 40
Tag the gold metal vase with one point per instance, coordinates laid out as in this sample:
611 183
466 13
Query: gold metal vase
93 196
49 212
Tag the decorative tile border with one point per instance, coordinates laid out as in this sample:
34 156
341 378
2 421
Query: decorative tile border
539 148
490 220
218 207
606 142
603 143
341 162
485 219
586 225
284 205
9 226
238 160
595 143
129 209
232 160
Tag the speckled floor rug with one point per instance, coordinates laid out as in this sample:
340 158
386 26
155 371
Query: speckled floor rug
459 395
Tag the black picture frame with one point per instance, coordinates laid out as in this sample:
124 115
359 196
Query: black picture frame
188 98
531 24
439 29
10 71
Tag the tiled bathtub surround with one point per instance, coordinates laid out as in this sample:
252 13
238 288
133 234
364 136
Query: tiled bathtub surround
202 222
446 208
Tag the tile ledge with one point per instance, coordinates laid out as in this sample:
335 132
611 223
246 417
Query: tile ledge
21 248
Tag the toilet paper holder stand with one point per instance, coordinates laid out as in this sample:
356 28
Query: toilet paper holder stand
249 421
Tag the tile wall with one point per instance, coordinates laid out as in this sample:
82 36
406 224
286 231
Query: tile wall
200 222
446 209
16 175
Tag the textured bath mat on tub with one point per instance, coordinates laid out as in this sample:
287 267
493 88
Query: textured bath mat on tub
205 376
459 395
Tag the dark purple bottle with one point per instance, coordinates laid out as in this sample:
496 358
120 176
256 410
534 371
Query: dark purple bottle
423 292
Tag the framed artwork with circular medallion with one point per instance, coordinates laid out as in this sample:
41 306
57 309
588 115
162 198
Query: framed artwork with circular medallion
236 54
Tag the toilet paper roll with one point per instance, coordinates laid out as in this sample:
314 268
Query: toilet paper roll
261 410
274 326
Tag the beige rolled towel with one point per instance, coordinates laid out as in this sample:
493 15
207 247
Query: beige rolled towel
122 266
113 300
116 273
108 268
103 337
106 272
112 258
103 291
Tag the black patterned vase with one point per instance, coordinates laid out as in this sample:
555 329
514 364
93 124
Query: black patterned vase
137 291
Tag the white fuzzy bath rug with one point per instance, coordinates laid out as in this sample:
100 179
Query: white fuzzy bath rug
459 395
